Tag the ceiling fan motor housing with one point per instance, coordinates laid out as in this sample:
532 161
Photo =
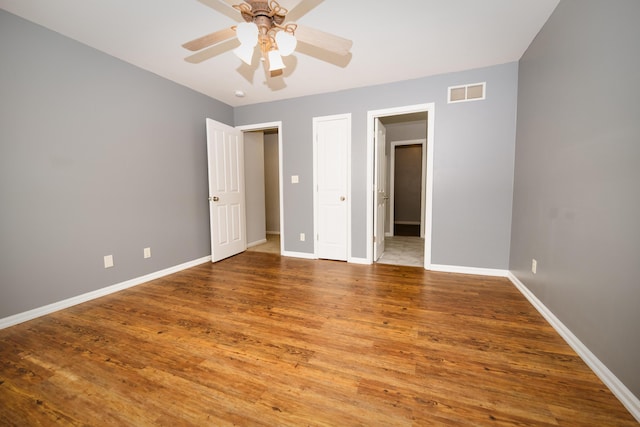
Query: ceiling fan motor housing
262 9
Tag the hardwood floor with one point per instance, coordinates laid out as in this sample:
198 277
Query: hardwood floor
262 340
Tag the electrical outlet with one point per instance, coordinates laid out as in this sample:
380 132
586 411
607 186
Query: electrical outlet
108 261
302 237
534 266
147 252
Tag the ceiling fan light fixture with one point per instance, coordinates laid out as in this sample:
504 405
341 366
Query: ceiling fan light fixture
275 61
247 33
245 53
286 43
266 26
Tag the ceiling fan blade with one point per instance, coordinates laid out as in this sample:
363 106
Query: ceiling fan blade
223 8
301 9
320 39
209 39
212 51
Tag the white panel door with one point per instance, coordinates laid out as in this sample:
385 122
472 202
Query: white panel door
380 188
225 153
332 142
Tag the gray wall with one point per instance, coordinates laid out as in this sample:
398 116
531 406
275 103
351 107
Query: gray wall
254 186
272 182
405 131
97 157
576 199
474 152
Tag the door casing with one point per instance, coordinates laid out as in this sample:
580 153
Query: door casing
265 126
428 220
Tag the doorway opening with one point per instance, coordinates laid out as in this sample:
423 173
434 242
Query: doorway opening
263 181
400 194
407 181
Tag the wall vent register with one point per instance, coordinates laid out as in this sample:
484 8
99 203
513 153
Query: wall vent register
470 92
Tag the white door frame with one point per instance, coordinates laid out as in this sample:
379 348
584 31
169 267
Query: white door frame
428 220
392 190
264 126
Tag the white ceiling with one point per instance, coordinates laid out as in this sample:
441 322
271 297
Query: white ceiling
392 40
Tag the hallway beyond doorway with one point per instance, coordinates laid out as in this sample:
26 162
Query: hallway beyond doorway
272 245
403 250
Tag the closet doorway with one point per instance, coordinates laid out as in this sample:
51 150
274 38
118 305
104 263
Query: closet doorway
263 147
406 188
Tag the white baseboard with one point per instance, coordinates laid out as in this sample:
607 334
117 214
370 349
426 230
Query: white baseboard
69 302
299 255
256 243
469 270
358 260
628 399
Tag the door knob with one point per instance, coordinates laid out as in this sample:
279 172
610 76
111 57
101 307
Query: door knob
342 198
214 199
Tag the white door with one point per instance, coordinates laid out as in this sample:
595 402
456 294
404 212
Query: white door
225 153
332 144
380 189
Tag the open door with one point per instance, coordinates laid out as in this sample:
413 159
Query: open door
380 189
225 154
388 116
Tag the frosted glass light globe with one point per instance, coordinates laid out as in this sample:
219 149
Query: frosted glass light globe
286 43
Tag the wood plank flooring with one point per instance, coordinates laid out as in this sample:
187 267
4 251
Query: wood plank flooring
263 340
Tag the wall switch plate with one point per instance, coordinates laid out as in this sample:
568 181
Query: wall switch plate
295 179
147 252
108 261
302 237
534 266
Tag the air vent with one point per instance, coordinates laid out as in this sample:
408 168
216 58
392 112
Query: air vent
471 92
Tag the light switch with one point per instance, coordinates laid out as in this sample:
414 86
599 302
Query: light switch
108 261
294 179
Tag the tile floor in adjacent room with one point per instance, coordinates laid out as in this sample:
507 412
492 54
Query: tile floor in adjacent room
403 250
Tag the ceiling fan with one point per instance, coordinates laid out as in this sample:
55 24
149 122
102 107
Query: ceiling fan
266 24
